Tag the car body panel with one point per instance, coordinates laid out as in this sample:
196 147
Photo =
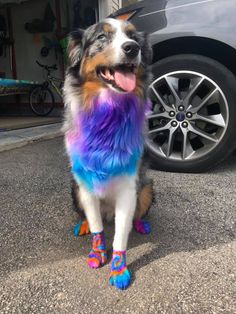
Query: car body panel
168 19
203 31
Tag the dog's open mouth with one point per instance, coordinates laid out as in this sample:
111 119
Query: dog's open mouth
122 77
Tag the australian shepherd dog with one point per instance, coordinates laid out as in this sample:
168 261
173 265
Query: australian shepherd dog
105 94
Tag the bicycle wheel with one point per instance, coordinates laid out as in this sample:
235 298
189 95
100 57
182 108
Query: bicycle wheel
41 100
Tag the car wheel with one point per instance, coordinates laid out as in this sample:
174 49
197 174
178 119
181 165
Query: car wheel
193 117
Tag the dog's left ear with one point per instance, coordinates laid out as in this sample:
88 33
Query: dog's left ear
146 48
75 47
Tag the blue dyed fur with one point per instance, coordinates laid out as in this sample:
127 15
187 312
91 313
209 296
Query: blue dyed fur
110 140
121 281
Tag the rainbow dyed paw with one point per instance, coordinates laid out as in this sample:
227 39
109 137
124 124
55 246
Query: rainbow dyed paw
81 228
96 259
119 275
120 281
97 256
142 226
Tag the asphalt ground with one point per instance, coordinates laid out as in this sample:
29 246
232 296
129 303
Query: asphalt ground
186 265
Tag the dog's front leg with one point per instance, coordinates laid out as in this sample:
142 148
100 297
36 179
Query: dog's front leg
124 212
91 204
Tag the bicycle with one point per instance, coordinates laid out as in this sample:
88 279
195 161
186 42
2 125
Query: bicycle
41 97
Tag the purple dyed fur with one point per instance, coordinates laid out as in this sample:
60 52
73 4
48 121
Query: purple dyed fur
107 139
142 226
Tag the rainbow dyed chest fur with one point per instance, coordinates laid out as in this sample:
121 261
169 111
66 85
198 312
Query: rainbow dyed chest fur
107 140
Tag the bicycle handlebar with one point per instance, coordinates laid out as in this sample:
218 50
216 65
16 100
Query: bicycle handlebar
48 68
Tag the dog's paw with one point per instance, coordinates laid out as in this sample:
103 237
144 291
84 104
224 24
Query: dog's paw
96 259
142 226
81 228
119 275
120 281
98 255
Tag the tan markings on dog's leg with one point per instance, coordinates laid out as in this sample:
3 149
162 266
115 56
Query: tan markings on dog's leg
144 201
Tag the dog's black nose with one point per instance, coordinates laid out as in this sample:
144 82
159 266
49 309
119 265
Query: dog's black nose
131 49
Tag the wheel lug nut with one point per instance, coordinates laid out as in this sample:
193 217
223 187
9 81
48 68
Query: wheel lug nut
189 115
184 124
181 108
171 113
174 124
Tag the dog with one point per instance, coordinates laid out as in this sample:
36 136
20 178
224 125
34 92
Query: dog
106 101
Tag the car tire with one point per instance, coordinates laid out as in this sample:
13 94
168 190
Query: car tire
226 143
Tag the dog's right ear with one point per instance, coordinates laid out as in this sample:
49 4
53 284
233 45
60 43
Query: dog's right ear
75 48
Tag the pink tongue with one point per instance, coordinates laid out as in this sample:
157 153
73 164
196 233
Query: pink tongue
126 81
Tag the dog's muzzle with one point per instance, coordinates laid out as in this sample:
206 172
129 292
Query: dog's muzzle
131 49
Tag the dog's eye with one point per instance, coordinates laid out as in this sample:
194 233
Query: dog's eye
101 37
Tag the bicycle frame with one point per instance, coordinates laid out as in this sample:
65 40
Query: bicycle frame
51 81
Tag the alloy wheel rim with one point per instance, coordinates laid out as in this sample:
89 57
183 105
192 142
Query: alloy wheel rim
189 115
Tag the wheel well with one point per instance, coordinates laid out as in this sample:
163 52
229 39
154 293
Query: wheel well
214 49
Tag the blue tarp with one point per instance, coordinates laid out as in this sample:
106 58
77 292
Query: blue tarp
12 87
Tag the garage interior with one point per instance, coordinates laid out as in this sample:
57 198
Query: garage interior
33 30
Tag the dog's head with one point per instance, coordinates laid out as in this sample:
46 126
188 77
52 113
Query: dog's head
110 54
